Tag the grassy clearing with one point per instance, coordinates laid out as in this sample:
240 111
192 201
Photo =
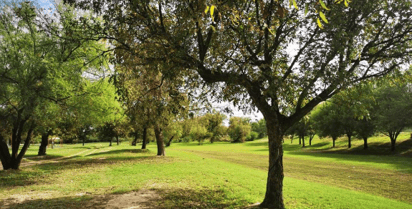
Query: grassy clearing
219 175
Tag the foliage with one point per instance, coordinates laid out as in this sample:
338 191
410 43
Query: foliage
260 128
239 129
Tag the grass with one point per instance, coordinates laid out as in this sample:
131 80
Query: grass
219 175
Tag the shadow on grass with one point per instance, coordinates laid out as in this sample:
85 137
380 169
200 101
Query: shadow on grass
34 157
120 151
156 198
17 178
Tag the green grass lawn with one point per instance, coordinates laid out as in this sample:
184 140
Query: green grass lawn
219 175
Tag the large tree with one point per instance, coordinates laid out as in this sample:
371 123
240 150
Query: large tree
36 68
264 52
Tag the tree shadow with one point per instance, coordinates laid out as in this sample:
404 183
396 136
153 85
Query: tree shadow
34 157
154 198
120 151
17 178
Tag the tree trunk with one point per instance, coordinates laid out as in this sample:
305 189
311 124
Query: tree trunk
135 139
170 141
159 141
310 139
274 193
110 143
300 140
4 154
117 140
349 140
333 139
365 142
393 142
144 138
44 143
303 141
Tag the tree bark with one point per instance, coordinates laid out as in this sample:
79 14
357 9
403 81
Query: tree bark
135 139
159 141
365 143
303 141
4 154
144 138
274 186
333 139
393 142
300 140
44 142
349 140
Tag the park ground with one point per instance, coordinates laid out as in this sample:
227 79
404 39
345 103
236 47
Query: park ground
219 175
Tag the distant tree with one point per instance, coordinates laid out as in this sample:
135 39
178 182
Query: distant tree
214 125
327 121
239 129
260 128
393 109
364 129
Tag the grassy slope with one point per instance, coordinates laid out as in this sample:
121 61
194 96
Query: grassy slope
221 175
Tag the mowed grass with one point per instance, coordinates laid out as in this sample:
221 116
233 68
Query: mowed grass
219 175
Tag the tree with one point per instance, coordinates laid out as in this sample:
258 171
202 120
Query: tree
327 121
239 129
259 127
241 47
214 125
36 68
393 109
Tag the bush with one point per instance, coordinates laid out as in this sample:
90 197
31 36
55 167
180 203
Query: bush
252 136
238 129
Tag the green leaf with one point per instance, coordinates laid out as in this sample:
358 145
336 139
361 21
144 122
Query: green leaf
306 9
323 17
323 5
295 5
319 23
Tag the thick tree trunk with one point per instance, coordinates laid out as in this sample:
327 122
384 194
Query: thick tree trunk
43 144
349 140
170 141
159 141
274 186
393 142
144 138
4 154
365 143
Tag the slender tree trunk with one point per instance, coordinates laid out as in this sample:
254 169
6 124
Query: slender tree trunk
303 141
333 139
159 141
135 139
300 140
365 142
274 186
144 138
310 139
44 143
170 141
16 161
110 143
117 140
349 140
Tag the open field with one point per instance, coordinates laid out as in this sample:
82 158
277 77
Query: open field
219 175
